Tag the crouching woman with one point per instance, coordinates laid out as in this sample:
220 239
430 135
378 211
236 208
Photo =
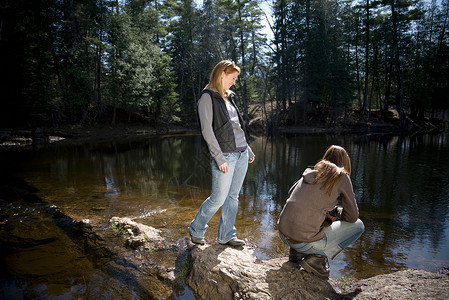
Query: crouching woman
321 217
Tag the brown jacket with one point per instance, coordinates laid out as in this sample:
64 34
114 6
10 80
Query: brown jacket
304 212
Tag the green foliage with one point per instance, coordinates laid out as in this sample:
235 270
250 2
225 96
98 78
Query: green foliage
140 74
346 284
310 58
332 55
118 228
64 61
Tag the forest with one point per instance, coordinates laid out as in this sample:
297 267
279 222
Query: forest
88 61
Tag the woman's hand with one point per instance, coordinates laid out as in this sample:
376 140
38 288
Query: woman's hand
224 167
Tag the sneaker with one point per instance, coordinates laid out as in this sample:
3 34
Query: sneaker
316 264
197 240
295 256
235 242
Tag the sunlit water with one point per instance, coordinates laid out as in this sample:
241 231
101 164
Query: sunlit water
401 186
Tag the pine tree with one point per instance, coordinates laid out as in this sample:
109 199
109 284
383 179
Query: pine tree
140 74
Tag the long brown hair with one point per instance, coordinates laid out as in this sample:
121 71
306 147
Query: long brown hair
226 66
334 163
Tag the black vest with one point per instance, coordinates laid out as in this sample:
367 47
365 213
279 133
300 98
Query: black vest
221 123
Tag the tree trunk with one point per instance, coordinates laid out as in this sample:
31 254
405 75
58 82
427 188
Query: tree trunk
398 71
365 91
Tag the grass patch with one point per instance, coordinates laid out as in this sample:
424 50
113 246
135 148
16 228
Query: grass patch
346 284
118 228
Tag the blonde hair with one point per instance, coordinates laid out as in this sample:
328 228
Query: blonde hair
339 156
226 66
334 163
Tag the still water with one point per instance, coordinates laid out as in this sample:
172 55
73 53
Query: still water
401 186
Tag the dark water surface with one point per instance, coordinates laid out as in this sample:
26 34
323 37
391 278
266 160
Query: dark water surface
401 185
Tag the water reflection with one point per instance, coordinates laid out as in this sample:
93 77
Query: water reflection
401 185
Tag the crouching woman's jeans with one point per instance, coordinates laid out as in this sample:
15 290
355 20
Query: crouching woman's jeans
225 192
337 236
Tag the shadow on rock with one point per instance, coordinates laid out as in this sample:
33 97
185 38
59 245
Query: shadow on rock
287 281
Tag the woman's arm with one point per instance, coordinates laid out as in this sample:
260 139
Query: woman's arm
251 155
350 209
205 113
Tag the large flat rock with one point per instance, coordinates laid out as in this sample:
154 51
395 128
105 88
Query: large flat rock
220 272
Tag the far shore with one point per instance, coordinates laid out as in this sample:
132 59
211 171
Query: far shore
373 126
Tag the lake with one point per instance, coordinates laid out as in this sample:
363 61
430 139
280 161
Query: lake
401 186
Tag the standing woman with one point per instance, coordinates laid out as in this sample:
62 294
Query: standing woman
321 217
222 128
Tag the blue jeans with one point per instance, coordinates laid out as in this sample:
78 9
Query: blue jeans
337 237
225 192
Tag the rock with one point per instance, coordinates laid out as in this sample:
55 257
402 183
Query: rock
220 272
138 233
407 284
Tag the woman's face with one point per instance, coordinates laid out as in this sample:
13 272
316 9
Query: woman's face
228 80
